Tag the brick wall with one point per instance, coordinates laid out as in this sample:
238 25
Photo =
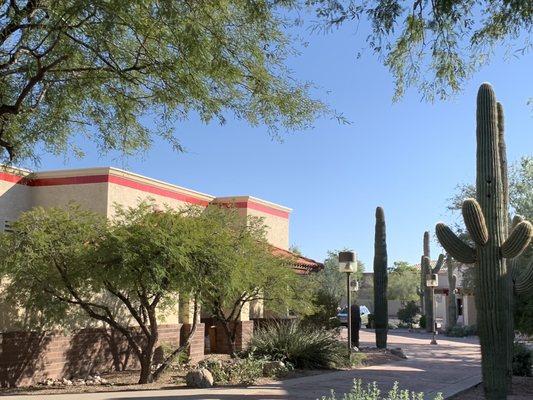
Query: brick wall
243 335
30 357
196 350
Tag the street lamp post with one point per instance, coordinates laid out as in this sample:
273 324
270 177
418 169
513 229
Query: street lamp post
432 281
347 264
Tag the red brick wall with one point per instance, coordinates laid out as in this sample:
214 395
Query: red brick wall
196 350
243 335
29 357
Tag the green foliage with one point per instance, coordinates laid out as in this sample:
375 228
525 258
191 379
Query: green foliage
422 322
434 46
462 331
522 360
408 312
331 280
241 371
63 262
523 313
404 282
243 268
325 314
372 392
303 346
102 67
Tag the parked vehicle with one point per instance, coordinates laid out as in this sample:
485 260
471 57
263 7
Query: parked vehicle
343 315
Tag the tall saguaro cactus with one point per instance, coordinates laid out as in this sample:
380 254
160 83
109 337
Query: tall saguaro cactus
429 293
452 298
486 222
423 272
381 315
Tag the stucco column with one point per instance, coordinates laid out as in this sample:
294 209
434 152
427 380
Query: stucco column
186 311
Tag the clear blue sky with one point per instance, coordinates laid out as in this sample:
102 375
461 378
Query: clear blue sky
407 157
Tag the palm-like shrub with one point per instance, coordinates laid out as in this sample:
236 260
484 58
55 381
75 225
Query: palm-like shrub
304 346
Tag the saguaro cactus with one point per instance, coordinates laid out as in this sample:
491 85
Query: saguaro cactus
452 298
423 272
429 293
381 315
485 220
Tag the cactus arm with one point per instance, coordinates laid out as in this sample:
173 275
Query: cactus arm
523 283
426 243
458 249
516 220
439 264
475 222
502 148
518 240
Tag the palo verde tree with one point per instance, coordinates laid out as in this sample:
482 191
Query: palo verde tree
125 275
243 268
101 67
434 46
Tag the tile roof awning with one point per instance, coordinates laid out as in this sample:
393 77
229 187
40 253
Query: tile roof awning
302 265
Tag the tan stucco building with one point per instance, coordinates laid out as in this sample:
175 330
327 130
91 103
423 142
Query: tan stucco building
99 189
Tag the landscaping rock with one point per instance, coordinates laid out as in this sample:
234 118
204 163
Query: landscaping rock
199 378
271 367
399 353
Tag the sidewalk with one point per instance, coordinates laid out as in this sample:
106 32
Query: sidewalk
450 367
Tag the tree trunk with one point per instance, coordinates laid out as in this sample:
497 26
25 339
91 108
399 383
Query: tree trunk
146 368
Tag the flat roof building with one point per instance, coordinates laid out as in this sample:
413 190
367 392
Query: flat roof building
100 189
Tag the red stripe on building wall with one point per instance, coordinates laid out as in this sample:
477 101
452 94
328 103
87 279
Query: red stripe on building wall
7 177
157 190
69 180
122 181
261 207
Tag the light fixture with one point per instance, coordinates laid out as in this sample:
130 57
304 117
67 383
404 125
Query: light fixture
347 261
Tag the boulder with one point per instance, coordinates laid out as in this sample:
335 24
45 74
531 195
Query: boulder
199 378
398 352
271 367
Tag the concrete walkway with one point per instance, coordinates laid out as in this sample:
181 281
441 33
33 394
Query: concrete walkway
450 367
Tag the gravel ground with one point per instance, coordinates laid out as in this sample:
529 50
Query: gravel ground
522 390
172 379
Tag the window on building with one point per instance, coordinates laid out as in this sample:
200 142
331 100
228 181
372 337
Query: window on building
459 306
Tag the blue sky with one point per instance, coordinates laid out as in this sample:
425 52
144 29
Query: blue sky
406 157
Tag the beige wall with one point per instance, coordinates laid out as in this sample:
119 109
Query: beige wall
14 199
92 196
277 228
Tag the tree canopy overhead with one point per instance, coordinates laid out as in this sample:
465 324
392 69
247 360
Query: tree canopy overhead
101 66
434 45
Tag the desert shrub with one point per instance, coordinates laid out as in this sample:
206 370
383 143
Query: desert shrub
325 315
372 392
244 371
247 371
408 312
422 322
522 359
304 346
462 331
393 325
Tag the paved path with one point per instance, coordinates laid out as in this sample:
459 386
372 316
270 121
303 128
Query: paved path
449 367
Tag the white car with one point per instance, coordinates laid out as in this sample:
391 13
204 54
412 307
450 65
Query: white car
343 315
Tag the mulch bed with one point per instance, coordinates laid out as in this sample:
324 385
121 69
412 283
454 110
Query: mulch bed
175 378
522 390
